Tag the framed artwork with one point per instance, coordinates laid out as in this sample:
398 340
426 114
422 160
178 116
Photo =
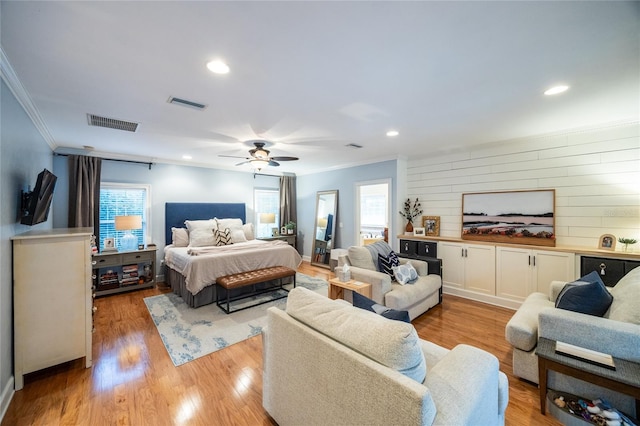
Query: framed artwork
518 217
275 232
109 243
607 242
431 225
418 232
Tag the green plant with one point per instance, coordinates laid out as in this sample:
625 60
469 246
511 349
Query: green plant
409 211
290 225
626 241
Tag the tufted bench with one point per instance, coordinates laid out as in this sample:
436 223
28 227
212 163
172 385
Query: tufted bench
243 279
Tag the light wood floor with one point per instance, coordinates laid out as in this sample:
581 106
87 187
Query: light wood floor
133 381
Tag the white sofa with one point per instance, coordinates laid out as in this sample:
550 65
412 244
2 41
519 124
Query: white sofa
329 363
415 298
617 333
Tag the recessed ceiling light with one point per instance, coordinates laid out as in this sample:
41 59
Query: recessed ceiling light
218 67
392 133
187 157
556 89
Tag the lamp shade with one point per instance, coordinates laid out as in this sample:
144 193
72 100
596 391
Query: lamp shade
267 218
124 223
322 222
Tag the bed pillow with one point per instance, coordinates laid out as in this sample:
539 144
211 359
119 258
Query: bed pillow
587 295
248 231
237 236
201 232
222 238
179 237
234 224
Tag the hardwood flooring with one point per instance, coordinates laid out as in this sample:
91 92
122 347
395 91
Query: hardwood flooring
133 381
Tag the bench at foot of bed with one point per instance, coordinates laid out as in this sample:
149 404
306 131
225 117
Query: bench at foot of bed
243 279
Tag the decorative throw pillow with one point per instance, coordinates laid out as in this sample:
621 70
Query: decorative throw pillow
233 224
200 232
405 274
386 263
248 231
179 237
237 236
222 238
363 302
587 295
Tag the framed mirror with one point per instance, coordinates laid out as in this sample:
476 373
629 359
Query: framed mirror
324 227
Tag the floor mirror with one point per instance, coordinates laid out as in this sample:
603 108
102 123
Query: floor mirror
325 227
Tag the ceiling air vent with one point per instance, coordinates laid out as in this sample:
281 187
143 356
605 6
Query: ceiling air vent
111 123
186 103
353 145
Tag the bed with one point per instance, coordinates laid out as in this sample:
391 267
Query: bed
192 271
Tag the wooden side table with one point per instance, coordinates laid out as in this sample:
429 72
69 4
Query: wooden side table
337 288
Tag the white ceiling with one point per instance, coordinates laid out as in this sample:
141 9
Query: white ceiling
312 77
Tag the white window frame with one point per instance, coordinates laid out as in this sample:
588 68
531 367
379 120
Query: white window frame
147 210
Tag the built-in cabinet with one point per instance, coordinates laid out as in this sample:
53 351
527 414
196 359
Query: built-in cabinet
524 271
52 299
470 267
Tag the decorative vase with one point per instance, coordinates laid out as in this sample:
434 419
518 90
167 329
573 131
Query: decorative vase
409 227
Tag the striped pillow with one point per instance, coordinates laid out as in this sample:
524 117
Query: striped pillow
386 263
222 238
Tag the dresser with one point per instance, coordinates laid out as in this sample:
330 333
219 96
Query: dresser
52 299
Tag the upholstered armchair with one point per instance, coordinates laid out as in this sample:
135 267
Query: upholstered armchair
416 297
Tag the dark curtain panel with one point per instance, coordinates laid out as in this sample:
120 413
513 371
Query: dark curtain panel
84 192
288 211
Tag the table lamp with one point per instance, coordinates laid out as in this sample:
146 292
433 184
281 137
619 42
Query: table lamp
128 242
268 218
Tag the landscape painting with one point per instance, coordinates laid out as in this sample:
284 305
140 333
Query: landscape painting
517 217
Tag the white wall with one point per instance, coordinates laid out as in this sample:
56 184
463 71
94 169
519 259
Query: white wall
596 175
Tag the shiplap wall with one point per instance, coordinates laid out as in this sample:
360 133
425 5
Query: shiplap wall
596 175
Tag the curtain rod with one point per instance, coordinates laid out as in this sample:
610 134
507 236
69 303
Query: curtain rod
111 159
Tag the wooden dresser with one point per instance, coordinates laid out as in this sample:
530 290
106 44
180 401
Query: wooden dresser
52 298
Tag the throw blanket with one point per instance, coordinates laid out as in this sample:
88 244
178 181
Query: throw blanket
379 247
259 245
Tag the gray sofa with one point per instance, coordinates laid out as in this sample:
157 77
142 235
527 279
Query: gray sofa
617 333
416 298
329 363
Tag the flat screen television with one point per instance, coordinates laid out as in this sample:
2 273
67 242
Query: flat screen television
36 204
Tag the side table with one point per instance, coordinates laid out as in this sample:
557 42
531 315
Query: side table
625 378
337 288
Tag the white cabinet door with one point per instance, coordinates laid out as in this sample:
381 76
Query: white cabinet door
514 273
552 266
480 269
452 255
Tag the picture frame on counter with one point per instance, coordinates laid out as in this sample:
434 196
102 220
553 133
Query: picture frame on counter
607 242
419 232
431 225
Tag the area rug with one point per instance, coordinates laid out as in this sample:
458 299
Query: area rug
189 333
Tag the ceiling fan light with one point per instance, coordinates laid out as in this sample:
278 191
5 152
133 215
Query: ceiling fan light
261 153
259 164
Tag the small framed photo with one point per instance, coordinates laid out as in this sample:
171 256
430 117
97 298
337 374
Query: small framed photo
109 243
431 225
607 242
140 246
418 232
275 232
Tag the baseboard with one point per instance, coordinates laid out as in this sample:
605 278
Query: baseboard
484 298
7 396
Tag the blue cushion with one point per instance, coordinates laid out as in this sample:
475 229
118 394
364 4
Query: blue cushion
587 295
386 263
363 302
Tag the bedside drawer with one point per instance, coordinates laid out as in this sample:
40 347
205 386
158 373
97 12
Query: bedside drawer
106 261
137 257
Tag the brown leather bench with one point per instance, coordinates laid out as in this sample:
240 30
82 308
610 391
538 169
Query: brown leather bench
243 279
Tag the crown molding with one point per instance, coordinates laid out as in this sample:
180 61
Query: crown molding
11 79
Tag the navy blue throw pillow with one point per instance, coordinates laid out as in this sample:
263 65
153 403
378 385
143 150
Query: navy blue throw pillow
386 264
363 302
587 295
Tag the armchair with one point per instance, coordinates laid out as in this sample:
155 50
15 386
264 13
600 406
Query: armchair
416 298
617 333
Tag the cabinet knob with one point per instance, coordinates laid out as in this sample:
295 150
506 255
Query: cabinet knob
93 262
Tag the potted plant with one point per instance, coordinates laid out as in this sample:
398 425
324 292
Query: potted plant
410 212
626 242
290 227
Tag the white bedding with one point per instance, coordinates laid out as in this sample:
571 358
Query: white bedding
201 266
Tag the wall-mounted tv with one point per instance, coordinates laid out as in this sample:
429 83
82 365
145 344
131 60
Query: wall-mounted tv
36 204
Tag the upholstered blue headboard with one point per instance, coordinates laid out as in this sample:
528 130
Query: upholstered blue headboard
176 213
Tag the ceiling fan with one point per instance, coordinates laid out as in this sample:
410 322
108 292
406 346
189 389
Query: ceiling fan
260 156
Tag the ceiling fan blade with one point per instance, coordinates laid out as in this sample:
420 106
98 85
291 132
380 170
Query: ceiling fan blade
232 156
273 163
285 158
243 162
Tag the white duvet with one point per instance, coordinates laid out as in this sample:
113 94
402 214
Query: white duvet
202 266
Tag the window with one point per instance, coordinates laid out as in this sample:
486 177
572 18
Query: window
266 201
123 200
